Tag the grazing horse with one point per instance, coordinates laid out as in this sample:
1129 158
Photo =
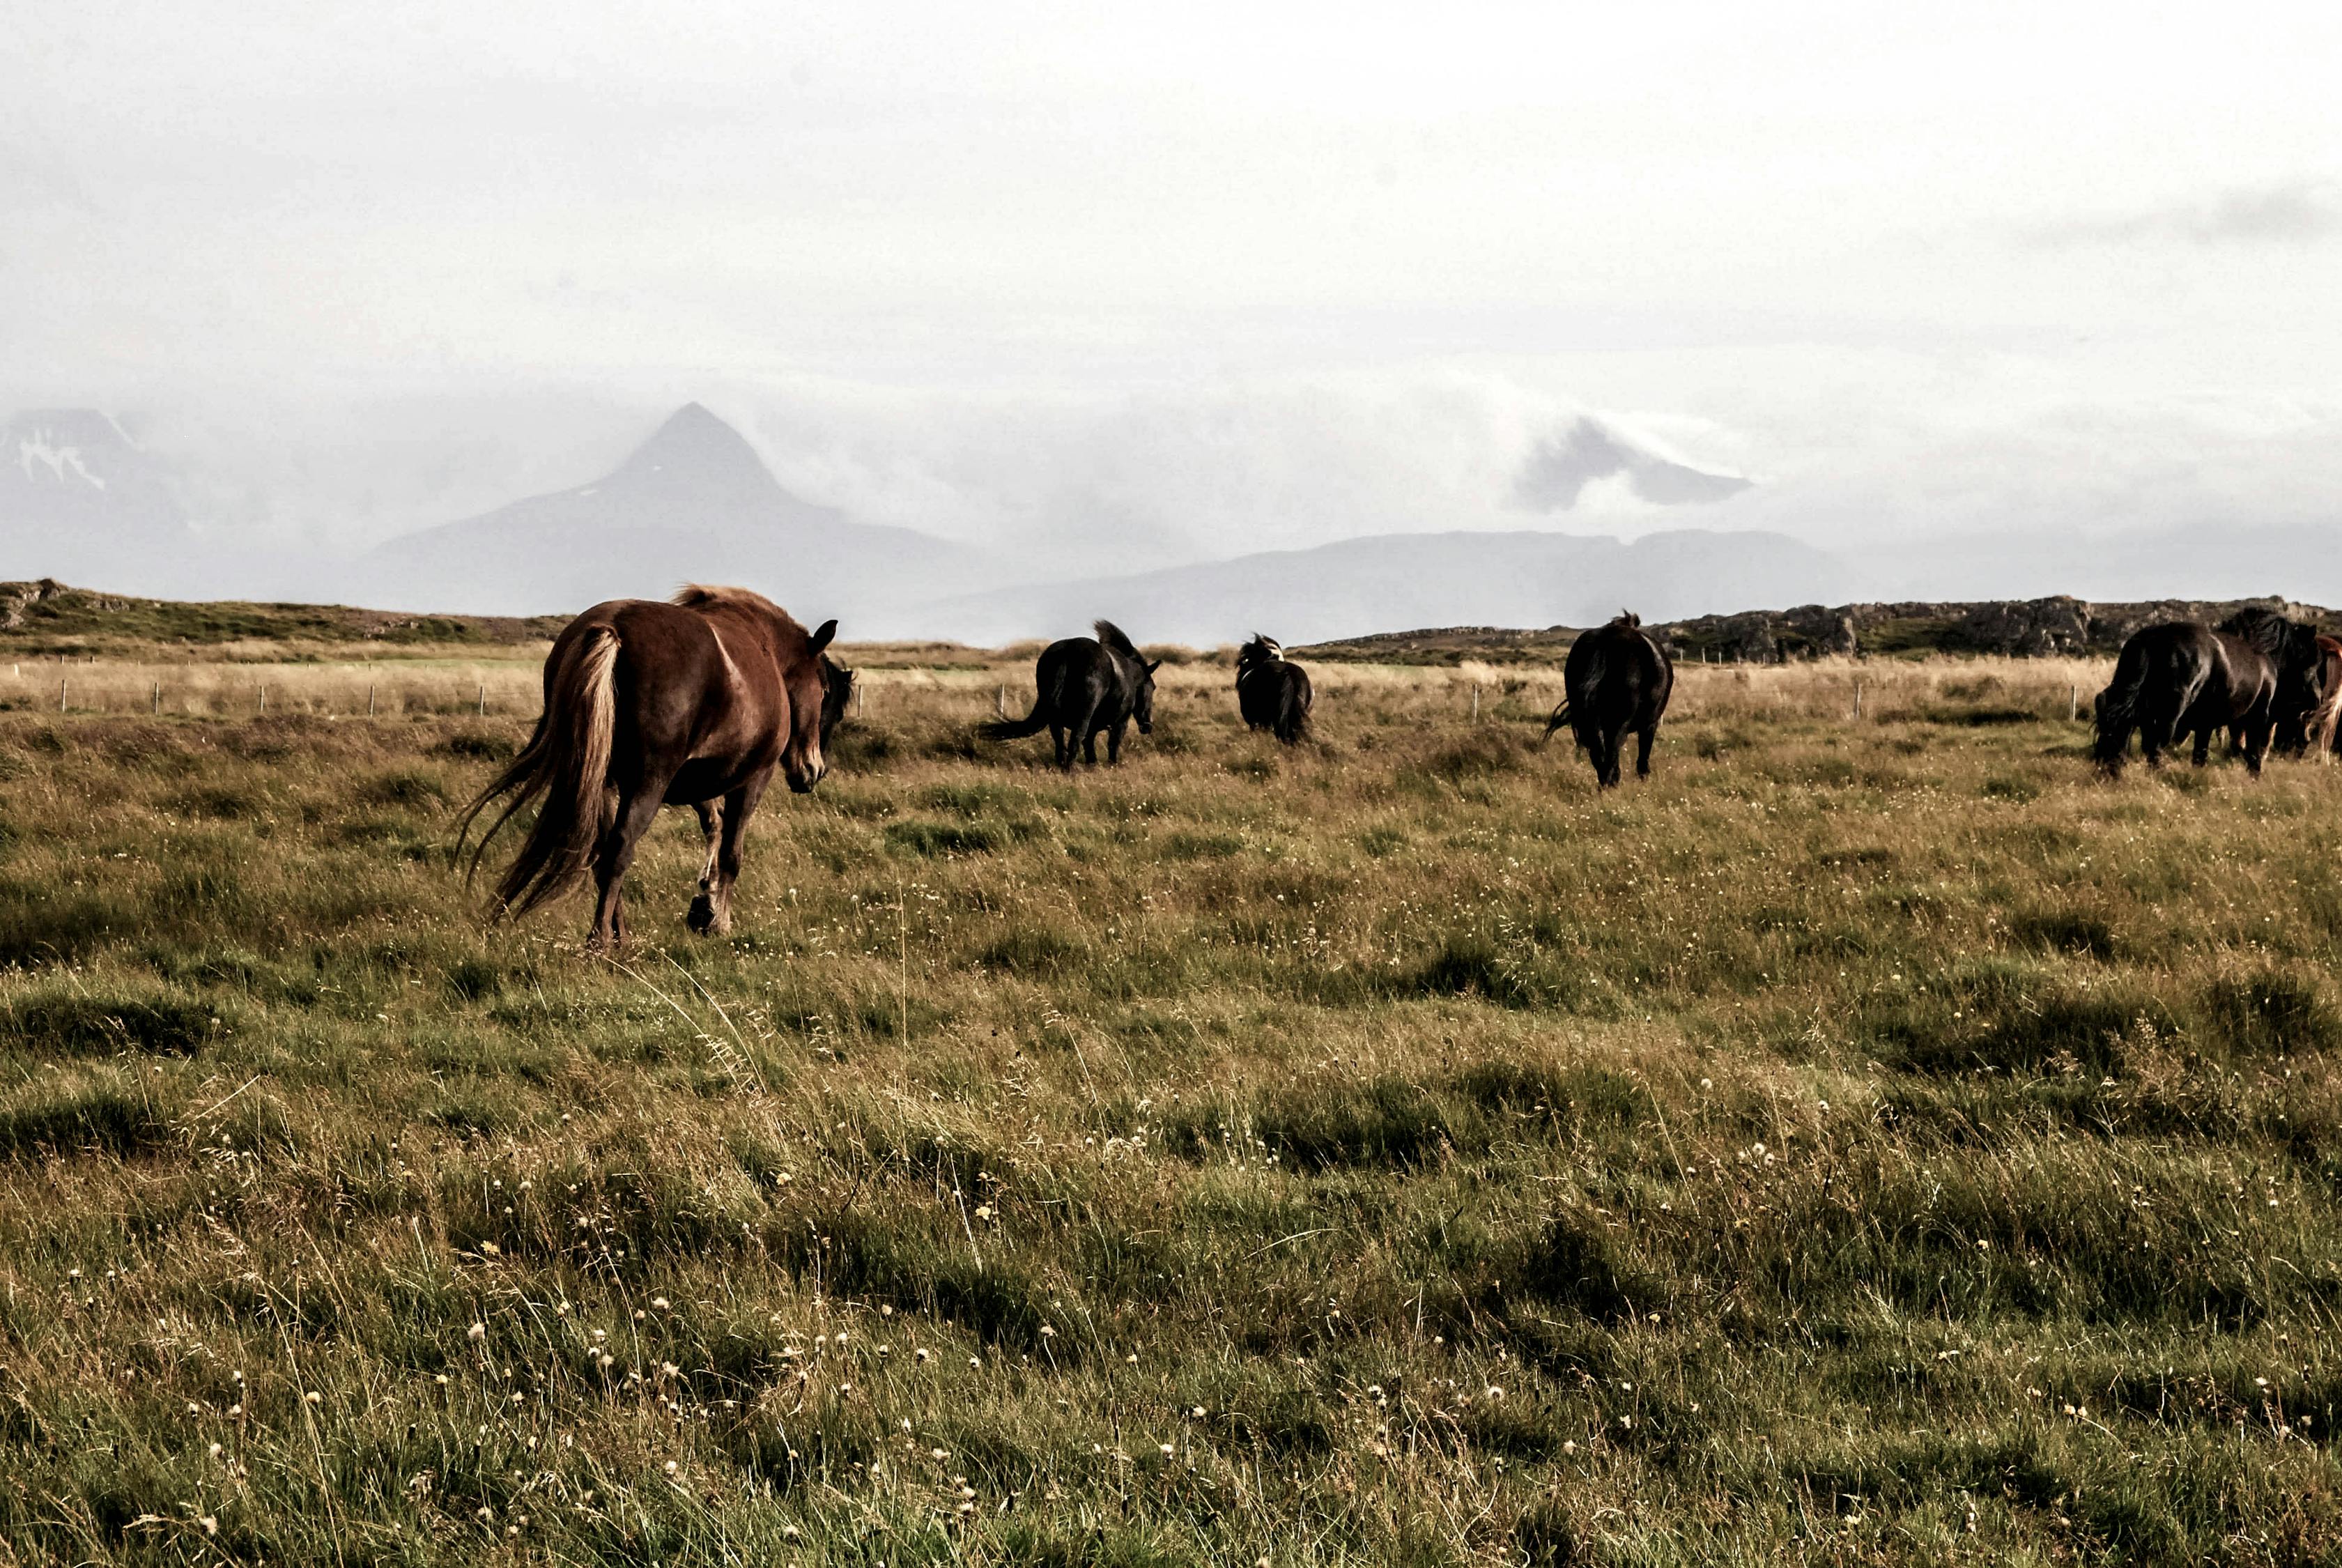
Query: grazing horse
2181 677
2303 685
690 702
1082 685
2323 725
1617 679
1272 691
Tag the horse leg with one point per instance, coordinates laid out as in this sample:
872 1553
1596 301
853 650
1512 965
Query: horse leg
713 825
738 807
1087 727
1060 751
2203 752
613 855
1643 738
1114 742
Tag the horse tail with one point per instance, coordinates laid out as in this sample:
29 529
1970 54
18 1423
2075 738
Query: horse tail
1298 700
1560 716
567 762
1045 703
2118 707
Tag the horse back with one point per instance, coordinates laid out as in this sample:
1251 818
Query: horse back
1618 673
1077 674
697 681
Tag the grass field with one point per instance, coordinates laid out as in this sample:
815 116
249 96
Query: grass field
1867 1141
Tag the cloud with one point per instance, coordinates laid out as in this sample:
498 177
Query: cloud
1556 476
2289 212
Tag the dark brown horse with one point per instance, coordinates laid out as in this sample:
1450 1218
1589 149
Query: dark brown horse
2303 683
1084 686
1273 693
2180 677
1617 680
692 702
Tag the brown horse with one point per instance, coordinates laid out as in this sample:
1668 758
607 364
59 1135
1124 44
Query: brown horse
692 702
2323 727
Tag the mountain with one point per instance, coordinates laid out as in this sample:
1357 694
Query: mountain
1377 583
80 500
695 503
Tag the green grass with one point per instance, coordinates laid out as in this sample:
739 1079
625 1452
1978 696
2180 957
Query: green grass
1877 1142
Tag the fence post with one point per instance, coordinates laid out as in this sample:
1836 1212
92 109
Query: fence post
1000 701
158 697
1475 702
857 699
264 702
1858 700
369 700
483 702
2073 703
63 686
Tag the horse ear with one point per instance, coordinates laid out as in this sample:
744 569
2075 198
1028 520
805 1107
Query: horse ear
1155 666
820 639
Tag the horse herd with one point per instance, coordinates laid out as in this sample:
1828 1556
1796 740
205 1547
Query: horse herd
697 701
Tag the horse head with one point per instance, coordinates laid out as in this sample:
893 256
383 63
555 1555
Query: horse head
812 693
1142 700
837 693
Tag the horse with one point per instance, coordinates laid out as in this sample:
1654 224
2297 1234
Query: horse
2182 678
692 701
2303 684
1618 679
2323 725
1273 692
1082 685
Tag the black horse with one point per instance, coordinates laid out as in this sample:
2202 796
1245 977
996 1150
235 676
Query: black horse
2181 677
2293 650
1085 685
1272 691
1617 680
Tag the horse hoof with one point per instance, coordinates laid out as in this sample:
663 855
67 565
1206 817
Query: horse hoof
702 917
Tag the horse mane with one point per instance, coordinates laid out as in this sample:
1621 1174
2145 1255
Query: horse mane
700 596
2264 629
1260 650
1112 635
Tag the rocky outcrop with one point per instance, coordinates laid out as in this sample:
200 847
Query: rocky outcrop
16 599
2023 629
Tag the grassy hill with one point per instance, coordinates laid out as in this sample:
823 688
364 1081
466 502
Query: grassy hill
47 619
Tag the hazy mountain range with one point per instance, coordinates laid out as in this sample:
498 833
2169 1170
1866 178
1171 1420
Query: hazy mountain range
80 500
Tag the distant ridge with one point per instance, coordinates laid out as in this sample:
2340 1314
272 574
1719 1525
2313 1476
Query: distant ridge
692 503
1525 577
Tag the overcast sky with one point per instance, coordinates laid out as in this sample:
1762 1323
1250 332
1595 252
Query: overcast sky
1320 268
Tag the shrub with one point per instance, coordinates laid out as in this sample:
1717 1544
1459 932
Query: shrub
94 1121
74 1025
2270 1013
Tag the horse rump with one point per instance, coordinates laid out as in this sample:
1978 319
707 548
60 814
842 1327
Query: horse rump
1048 692
566 764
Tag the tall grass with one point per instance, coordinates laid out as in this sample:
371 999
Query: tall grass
1866 1141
